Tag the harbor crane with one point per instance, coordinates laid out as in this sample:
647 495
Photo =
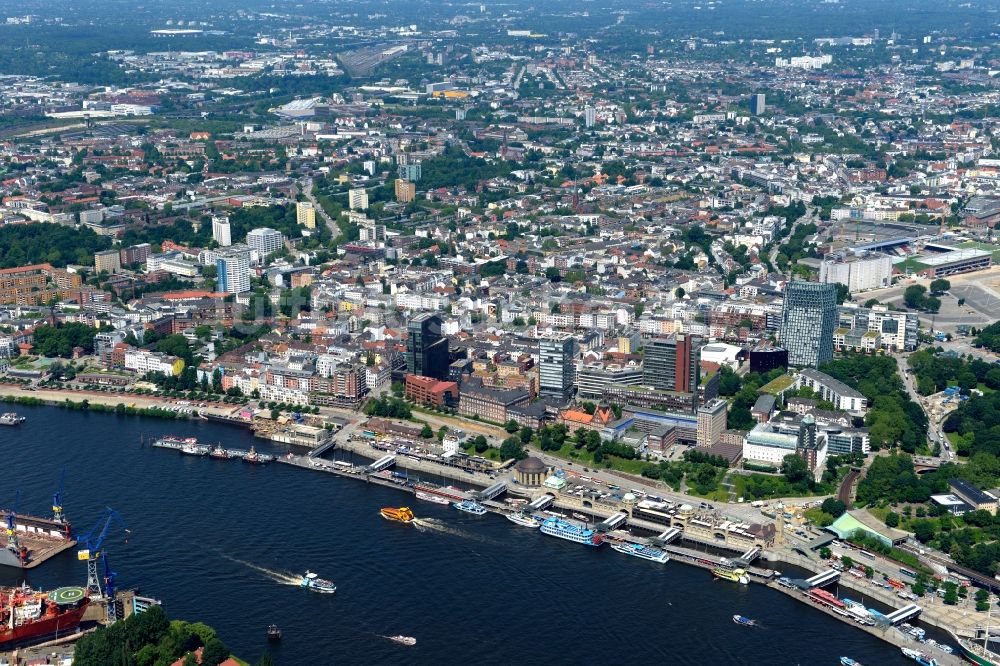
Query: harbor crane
57 511
109 590
13 543
91 551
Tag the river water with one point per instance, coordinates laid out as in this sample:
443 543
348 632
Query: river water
220 542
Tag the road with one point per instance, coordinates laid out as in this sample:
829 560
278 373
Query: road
307 188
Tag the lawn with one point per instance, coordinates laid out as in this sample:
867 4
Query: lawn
584 457
778 384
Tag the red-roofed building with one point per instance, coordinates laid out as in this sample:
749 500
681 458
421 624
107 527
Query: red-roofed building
430 391
197 656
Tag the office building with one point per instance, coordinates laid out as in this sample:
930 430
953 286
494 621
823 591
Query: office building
221 231
808 318
589 116
857 272
834 391
426 347
757 104
357 199
305 214
410 172
264 241
405 191
711 422
593 380
557 366
107 261
233 267
897 331
671 364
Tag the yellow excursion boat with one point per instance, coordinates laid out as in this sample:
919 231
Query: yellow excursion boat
735 575
402 514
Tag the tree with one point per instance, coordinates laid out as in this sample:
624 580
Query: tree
939 286
869 572
512 448
426 432
833 506
825 553
847 562
892 519
442 431
794 468
481 444
215 653
511 426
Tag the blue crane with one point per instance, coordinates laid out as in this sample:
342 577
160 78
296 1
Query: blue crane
109 589
57 511
13 543
91 551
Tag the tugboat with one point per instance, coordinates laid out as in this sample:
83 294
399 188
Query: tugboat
744 621
255 458
273 633
401 515
312 581
11 419
219 453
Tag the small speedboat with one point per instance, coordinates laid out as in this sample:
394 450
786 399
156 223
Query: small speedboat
273 633
311 581
403 640
744 621
847 661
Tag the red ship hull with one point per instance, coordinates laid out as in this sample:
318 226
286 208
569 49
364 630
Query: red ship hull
64 623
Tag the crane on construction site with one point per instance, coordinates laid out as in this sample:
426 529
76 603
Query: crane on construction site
91 551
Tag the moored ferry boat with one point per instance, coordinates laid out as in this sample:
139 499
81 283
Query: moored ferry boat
28 617
730 574
468 506
402 514
523 520
428 497
564 529
644 552
219 453
450 493
919 657
194 449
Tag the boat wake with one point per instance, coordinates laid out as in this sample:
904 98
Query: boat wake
283 577
435 525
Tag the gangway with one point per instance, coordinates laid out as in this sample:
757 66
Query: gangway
612 522
666 536
381 464
491 492
823 579
543 502
751 554
323 448
904 614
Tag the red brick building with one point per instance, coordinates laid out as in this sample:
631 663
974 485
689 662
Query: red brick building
431 392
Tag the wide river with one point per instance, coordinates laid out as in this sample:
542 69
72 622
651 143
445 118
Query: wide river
220 542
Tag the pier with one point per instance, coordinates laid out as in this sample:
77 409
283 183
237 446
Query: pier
612 522
612 525
823 579
904 614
